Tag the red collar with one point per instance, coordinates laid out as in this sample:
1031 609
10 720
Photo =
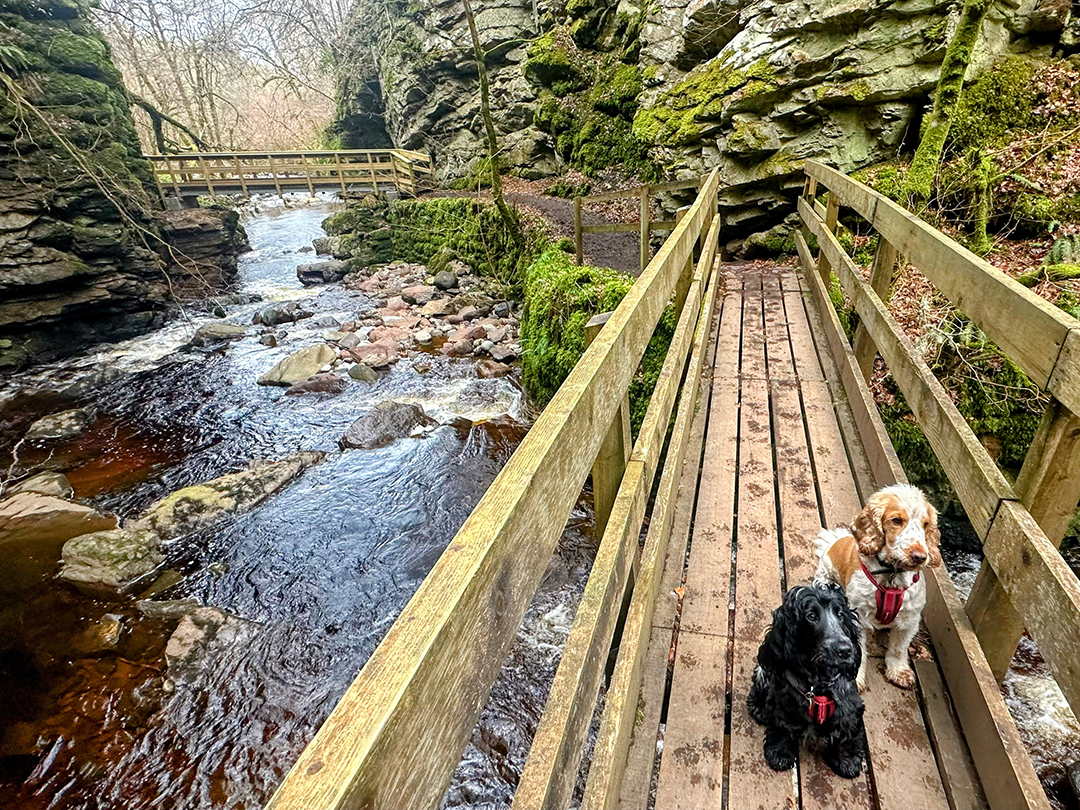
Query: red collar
889 600
821 708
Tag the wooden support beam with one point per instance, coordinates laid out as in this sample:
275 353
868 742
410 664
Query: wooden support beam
645 209
832 214
610 463
881 277
579 238
1049 486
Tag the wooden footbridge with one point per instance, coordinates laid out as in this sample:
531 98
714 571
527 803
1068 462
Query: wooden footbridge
774 433
349 171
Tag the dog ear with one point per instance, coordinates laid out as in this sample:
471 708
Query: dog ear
778 646
867 530
933 538
849 620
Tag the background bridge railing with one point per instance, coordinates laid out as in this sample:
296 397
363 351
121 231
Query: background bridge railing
645 226
397 734
1024 581
197 173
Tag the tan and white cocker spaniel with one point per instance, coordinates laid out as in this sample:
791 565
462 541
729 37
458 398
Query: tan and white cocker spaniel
878 562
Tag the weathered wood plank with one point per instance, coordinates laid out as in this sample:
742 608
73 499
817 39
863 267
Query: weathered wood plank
958 773
396 735
1029 329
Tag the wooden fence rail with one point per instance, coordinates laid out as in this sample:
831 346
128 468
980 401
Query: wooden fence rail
1024 581
397 734
645 225
197 173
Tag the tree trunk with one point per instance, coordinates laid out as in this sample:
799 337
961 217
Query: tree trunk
924 167
489 125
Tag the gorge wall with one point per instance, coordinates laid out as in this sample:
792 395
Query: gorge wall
674 87
82 247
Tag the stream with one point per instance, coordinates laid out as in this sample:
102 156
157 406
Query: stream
316 575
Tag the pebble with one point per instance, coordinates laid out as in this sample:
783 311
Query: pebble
486 346
423 336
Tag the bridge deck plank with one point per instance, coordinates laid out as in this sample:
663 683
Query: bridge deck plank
775 428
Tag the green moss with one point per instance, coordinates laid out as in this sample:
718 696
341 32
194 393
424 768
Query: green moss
549 65
995 105
617 92
845 313
676 117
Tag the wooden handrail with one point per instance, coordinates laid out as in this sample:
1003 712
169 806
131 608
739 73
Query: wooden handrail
1022 568
395 737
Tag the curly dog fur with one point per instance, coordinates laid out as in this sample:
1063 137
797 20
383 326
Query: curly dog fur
812 648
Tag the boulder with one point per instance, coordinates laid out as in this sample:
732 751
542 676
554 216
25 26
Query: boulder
446 279
319 384
503 354
33 530
363 373
111 563
385 423
375 355
198 506
322 272
489 368
60 426
418 294
214 332
198 634
277 314
46 483
299 365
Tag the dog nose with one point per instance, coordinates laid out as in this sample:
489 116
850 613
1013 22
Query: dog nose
842 648
917 557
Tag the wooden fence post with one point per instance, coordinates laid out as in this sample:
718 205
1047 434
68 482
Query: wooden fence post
611 461
682 286
579 238
832 213
273 173
1049 486
643 260
881 275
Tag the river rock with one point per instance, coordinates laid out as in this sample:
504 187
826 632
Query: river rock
460 348
498 334
489 368
196 507
375 355
467 333
363 373
322 272
60 426
385 423
350 341
277 314
418 294
503 354
501 309
435 307
168 609
100 638
446 279
319 384
214 332
423 336
468 313
299 365
46 483
197 635
111 563
33 530
269 339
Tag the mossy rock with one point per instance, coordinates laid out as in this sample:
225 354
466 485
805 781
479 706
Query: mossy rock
549 65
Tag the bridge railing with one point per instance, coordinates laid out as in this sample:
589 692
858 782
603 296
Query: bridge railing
214 173
397 734
1024 582
645 226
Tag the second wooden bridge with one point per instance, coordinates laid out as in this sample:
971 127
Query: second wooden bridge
775 433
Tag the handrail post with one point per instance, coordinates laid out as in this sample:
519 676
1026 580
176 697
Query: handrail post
881 276
579 237
273 173
682 286
611 461
240 175
206 176
832 214
1049 487
643 259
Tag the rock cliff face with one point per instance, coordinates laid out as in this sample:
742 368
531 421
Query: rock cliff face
81 250
678 87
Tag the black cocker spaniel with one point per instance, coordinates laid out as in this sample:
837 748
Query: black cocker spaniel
804 681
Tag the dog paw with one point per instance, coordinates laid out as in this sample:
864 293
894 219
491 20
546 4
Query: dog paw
781 757
847 767
904 677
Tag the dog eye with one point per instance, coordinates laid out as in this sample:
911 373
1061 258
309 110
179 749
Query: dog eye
897 521
812 617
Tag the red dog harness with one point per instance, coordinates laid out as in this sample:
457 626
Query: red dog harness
889 600
821 708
